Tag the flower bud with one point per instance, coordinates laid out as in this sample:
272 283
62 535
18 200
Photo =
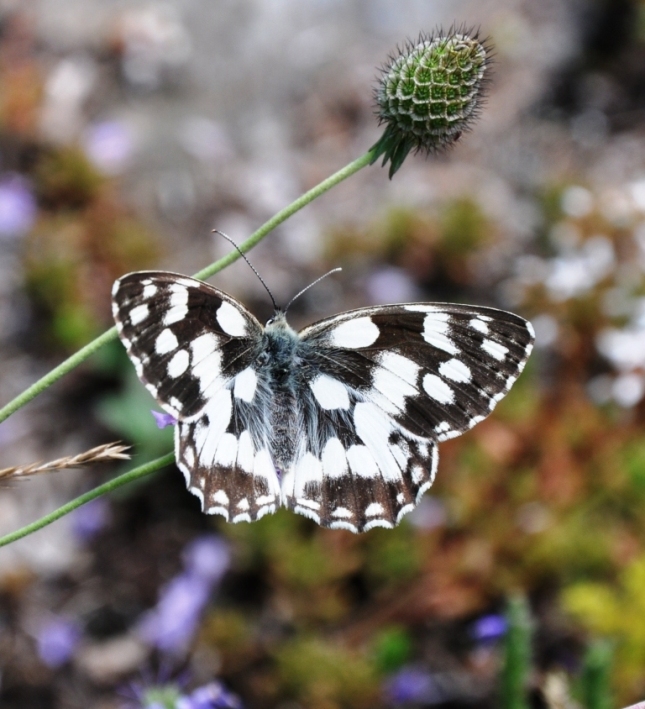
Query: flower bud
429 95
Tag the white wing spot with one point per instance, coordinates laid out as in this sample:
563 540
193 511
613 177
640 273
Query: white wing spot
203 346
455 370
149 290
479 325
220 497
329 392
334 461
362 462
393 387
245 384
166 342
436 388
177 306
494 349
355 333
243 504
308 503
178 364
139 314
435 332
376 508
226 451
308 470
418 474
207 438
342 512
245 454
231 320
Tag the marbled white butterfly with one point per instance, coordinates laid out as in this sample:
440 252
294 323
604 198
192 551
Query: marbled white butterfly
340 421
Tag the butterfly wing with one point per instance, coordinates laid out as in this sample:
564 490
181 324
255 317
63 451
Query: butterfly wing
391 382
194 349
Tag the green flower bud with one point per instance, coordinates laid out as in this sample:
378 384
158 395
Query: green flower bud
430 94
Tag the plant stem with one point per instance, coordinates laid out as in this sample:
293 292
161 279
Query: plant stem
71 362
517 654
139 472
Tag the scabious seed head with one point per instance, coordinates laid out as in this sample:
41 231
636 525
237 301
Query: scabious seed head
430 94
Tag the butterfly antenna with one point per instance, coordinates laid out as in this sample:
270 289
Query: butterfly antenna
311 285
241 253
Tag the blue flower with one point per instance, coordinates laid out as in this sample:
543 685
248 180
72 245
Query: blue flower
17 206
89 519
208 557
210 696
172 623
412 685
489 628
162 419
56 641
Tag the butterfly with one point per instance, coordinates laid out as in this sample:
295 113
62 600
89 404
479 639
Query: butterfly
338 422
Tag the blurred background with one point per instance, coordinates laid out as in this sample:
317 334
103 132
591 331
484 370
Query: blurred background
129 130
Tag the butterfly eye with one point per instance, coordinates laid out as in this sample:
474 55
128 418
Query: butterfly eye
270 321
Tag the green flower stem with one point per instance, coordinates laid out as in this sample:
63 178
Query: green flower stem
111 485
111 334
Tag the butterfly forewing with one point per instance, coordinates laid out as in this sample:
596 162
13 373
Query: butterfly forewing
194 348
437 369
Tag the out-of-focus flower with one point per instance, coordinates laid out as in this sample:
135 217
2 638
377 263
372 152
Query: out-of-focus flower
581 269
89 519
163 419
210 696
57 640
17 206
207 557
109 145
171 624
412 685
489 628
391 285
430 513
429 95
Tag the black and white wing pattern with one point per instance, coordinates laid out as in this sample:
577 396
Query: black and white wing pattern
388 383
194 348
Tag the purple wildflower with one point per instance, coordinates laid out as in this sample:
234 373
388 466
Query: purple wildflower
109 145
17 206
56 640
163 419
89 519
489 628
412 685
207 557
429 514
172 623
210 696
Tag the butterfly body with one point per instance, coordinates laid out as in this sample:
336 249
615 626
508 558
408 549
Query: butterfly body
339 422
